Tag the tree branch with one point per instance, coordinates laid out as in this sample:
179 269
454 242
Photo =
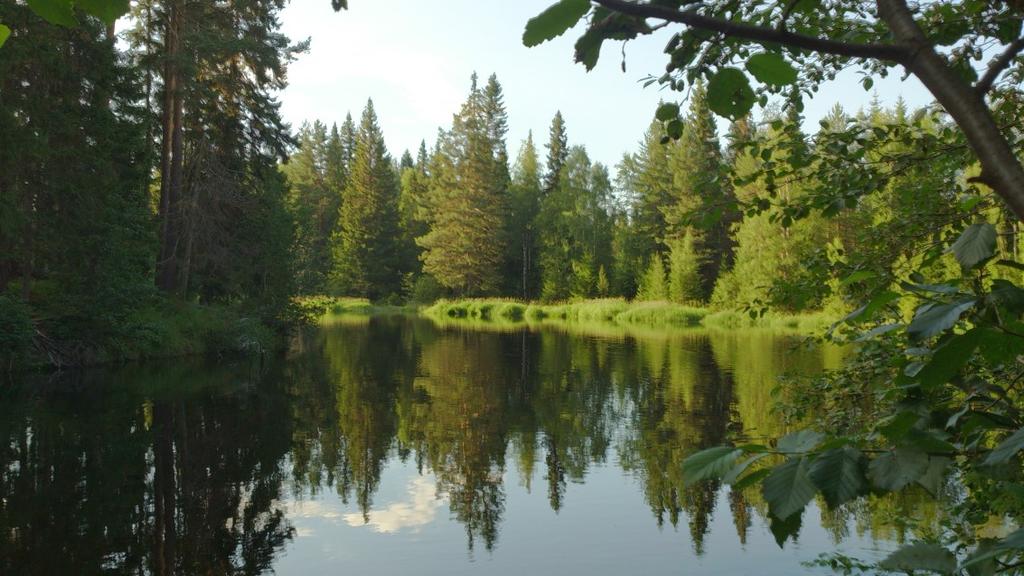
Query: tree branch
997 66
1000 168
889 52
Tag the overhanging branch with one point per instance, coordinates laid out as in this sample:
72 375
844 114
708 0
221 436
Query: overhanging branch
887 52
998 66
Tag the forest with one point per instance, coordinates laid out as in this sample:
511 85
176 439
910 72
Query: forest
153 202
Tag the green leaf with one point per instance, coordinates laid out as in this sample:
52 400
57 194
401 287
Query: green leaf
729 94
1014 541
897 468
947 361
839 475
57 12
5 33
783 529
920 556
107 10
710 463
933 319
980 562
554 21
733 475
934 478
997 347
858 276
976 245
1007 294
772 69
788 488
751 479
588 48
867 311
667 111
1006 449
800 441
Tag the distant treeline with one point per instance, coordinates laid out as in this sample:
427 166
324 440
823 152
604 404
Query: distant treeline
459 219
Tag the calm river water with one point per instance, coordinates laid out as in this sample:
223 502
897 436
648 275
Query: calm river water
389 445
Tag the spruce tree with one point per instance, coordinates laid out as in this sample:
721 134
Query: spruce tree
699 195
313 202
465 247
525 195
652 284
365 247
558 152
414 212
348 140
685 260
575 230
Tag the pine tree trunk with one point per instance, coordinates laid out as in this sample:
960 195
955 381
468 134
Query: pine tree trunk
170 154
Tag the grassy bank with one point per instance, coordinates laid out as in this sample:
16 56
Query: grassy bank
619 312
320 309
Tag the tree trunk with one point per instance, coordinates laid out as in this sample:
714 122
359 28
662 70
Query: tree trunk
170 153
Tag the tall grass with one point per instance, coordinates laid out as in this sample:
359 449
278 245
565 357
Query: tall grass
618 311
612 310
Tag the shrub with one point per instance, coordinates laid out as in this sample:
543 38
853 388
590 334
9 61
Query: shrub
15 330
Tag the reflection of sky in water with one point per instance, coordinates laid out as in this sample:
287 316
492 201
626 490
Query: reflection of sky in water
418 511
416 508
604 528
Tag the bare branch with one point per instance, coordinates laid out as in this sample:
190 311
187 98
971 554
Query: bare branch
997 66
888 52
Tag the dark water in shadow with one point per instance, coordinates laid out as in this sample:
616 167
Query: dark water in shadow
390 446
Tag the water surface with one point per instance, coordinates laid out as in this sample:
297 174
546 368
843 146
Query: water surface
389 445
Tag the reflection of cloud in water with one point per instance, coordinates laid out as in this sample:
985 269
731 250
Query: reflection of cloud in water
418 511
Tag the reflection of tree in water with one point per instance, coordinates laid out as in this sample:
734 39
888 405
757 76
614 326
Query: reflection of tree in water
344 394
683 404
182 475
461 418
105 480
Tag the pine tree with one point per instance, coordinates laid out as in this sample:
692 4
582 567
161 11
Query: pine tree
684 284
414 212
699 192
648 178
405 162
558 152
348 140
313 201
365 247
525 194
652 284
464 249
575 230
334 163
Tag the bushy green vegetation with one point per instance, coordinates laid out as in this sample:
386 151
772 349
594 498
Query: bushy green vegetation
621 312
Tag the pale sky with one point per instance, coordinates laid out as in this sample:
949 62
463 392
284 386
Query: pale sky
415 58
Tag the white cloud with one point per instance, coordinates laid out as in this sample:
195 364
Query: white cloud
418 511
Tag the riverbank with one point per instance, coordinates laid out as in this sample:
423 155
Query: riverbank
159 329
623 313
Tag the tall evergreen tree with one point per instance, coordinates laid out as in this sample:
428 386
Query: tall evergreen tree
365 246
575 230
414 211
558 152
348 140
464 249
698 192
524 207
314 200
